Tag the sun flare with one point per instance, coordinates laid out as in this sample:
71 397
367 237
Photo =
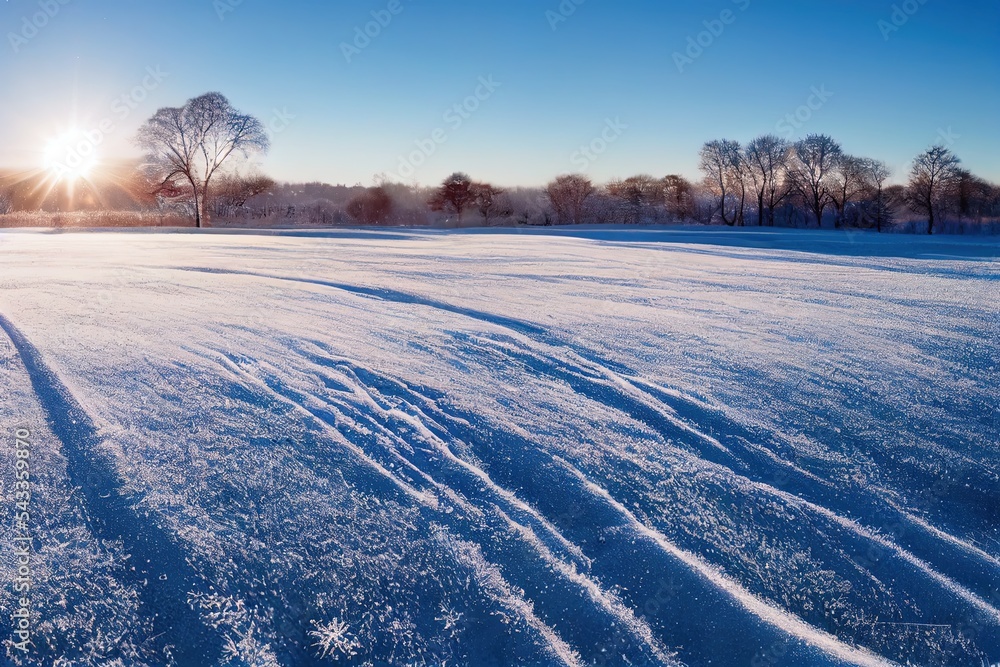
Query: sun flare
70 156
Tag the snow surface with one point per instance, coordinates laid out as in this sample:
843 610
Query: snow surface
581 446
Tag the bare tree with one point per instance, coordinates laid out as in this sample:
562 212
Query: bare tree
932 179
371 207
190 144
876 174
234 190
6 203
455 195
678 197
848 182
638 194
896 197
568 196
972 196
814 159
724 168
489 200
767 164
147 188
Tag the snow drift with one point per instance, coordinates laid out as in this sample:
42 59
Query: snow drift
574 447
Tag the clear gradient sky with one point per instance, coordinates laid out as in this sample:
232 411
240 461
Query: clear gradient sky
891 93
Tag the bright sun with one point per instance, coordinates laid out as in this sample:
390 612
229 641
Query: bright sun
70 156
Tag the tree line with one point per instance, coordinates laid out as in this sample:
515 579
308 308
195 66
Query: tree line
767 182
192 156
815 179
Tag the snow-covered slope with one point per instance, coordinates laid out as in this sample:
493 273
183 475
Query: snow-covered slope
575 447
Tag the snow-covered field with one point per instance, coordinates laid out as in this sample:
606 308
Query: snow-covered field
701 447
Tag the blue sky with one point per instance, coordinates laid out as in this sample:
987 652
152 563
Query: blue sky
609 71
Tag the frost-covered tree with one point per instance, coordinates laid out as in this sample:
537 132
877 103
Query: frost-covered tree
678 197
766 160
725 176
637 195
973 196
933 178
235 190
189 145
848 185
371 207
876 174
489 200
568 196
455 195
814 160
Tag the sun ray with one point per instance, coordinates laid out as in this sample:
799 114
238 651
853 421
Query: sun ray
70 156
